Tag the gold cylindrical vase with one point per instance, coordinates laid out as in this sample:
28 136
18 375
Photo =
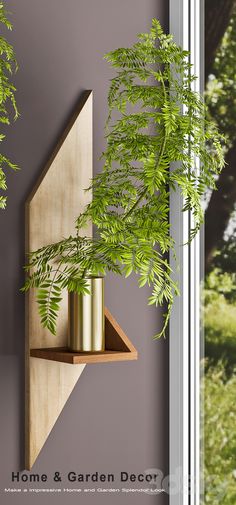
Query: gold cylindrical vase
86 318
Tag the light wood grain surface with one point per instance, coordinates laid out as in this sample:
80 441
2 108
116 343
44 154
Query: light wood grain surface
51 210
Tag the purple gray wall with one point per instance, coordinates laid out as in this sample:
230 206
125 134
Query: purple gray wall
117 416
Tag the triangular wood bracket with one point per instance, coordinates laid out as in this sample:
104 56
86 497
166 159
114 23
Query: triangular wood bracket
117 348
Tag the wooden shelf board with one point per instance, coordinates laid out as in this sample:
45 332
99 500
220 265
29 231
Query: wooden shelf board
62 354
118 348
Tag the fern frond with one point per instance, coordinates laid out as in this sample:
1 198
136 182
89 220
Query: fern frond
155 120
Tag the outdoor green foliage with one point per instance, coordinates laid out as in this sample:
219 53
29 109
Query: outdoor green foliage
220 317
219 384
225 257
219 437
155 120
7 95
221 86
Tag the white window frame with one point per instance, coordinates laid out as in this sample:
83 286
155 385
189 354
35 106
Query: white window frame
186 24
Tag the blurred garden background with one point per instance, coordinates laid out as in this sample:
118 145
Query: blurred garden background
219 295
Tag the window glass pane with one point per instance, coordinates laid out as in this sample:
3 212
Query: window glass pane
219 294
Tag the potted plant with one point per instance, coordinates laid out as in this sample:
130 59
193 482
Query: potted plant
158 122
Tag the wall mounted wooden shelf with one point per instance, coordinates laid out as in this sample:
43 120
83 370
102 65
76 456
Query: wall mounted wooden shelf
51 210
118 348
63 355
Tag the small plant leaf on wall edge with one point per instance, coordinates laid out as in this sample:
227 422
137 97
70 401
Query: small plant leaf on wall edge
8 66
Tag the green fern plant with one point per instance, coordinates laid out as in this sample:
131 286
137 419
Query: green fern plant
155 121
8 65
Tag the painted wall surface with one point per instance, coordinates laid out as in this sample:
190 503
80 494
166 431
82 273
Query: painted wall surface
117 417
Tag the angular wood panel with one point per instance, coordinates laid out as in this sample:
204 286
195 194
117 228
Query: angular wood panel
51 211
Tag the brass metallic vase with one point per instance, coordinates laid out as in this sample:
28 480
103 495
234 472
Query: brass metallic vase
86 318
